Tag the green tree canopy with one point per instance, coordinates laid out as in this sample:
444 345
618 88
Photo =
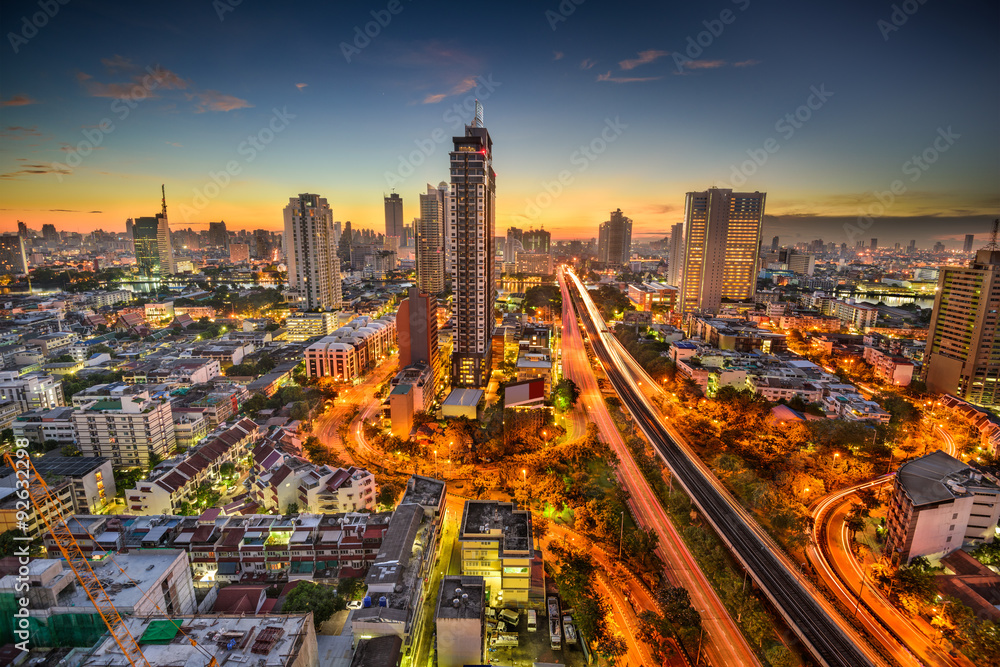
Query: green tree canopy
323 601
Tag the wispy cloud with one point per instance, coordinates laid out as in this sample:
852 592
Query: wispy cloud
300 86
145 82
118 64
19 100
20 132
746 63
588 63
68 148
704 64
558 55
32 169
463 86
174 143
645 57
213 100
626 79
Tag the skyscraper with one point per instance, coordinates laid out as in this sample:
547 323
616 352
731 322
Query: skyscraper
417 330
774 244
12 258
218 236
49 233
874 245
722 232
614 240
313 265
394 218
262 246
430 239
537 240
145 239
675 255
471 246
513 243
969 240
129 224
960 357
22 229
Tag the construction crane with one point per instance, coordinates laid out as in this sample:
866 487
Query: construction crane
55 523
38 490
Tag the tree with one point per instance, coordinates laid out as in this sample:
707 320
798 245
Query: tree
227 470
293 508
612 646
9 545
323 601
565 395
70 450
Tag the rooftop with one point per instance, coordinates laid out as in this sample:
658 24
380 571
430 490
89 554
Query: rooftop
939 477
126 578
461 597
272 640
490 517
423 491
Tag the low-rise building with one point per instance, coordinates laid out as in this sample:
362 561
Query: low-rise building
497 544
461 621
940 504
41 425
890 368
853 314
303 326
54 343
31 391
353 350
129 428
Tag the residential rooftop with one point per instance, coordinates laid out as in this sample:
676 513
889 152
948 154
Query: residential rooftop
461 597
938 477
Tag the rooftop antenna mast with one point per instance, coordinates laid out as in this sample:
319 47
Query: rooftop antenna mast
992 245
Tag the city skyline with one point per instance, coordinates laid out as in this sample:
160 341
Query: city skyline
826 136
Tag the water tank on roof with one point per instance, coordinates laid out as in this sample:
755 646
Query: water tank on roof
383 601
367 602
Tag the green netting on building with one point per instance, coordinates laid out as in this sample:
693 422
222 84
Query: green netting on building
160 632
81 630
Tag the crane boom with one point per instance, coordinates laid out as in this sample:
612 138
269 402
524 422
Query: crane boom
71 551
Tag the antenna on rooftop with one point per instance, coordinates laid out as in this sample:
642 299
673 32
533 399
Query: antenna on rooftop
992 245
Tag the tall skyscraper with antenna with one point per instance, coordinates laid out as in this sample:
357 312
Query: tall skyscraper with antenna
471 246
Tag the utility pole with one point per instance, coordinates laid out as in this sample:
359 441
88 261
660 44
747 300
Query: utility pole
621 536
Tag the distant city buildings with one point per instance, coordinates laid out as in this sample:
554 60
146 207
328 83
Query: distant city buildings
614 240
959 357
471 245
969 240
394 219
313 267
722 231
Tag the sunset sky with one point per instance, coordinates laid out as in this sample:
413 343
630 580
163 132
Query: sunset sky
661 114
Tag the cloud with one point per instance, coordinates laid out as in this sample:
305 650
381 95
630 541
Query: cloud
32 169
300 86
626 79
118 64
173 143
68 148
704 64
463 86
213 100
19 100
645 57
20 132
587 63
558 55
659 209
140 85
746 63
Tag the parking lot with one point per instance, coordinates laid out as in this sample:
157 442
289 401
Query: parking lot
534 647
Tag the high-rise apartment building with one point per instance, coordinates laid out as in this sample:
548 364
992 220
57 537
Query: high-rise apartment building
22 229
262 247
961 354
239 252
129 225
513 244
874 244
675 255
13 261
394 218
311 256
774 244
417 328
430 239
154 254
722 232
614 240
969 240
218 236
127 428
536 240
471 245
49 233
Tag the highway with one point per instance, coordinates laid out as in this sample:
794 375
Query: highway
830 640
724 643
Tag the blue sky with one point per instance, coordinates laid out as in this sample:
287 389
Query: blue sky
353 129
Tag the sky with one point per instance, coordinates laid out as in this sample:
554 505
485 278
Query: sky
859 119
